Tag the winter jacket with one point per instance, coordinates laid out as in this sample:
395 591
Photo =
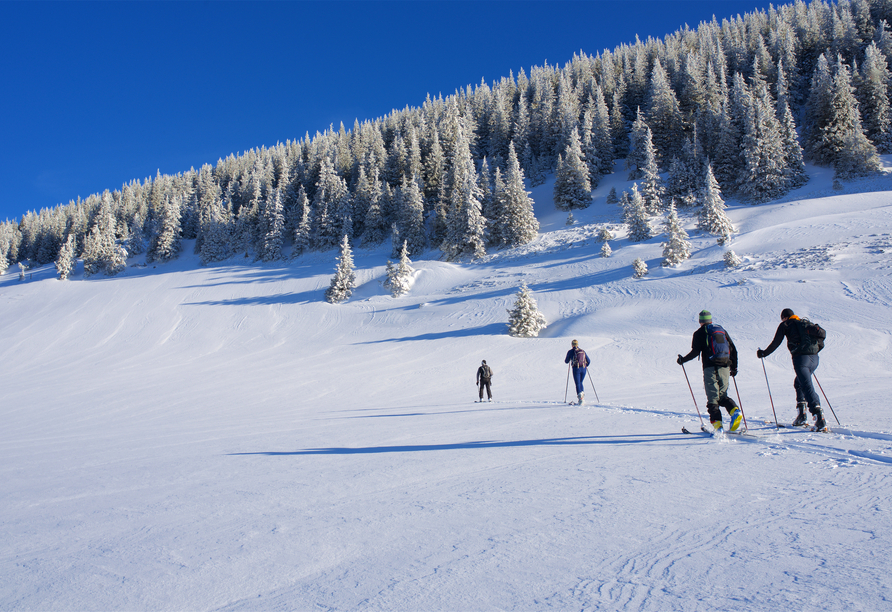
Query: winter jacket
484 374
790 329
700 347
571 358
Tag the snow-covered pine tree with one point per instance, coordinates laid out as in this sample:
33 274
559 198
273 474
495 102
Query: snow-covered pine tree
524 319
605 234
166 245
332 207
637 159
606 251
612 197
712 214
639 268
572 188
571 220
518 224
399 277
764 175
663 116
216 231
374 230
731 259
851 153
677 247
465 225
274 227
652 189
637 218
411 218
66 261
301 238
344 281
873 96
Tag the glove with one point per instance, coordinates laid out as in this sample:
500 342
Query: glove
733 372
680 360
760 353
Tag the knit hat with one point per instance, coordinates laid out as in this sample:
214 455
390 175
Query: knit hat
705 316
484 362
786 313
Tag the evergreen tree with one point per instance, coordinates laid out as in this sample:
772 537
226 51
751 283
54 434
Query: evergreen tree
301 237
465 223
517 224
216 231
639 268
652 188
663 116
606 251
274 226
731 259
572 188
712 214
605 235
399 277
167 242
524 319
66 261
640 143
344 281
850 152
764 175
636 217
873 96
612 197
374 225
677 247
411 222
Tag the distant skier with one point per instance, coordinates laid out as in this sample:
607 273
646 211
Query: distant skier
484 379
719 358
580 361
805 362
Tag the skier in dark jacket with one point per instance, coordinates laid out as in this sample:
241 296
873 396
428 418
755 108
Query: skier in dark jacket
715 375
574 356
484 379
803 364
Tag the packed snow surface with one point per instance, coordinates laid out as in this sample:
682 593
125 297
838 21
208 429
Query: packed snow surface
205 438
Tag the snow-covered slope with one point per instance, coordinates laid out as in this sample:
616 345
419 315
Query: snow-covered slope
196 438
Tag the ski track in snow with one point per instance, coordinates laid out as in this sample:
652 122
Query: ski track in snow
194 438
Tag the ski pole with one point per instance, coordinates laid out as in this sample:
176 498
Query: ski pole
739 403
776 425
567 388
703 427
589 374
827 400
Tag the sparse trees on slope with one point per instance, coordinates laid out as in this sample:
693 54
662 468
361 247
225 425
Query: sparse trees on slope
344 281
524 319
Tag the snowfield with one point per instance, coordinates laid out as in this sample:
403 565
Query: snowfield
221 438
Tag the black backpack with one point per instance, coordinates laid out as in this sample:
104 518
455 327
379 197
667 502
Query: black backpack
718 347
486 373
811 337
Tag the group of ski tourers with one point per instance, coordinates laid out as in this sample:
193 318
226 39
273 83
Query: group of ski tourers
719 358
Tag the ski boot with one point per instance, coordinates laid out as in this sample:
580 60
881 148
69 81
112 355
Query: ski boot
717 426
820 423
580 398
802 418
736 418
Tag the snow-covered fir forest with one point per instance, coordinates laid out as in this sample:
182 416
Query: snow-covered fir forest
743 103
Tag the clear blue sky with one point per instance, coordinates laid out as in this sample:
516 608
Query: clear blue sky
95 94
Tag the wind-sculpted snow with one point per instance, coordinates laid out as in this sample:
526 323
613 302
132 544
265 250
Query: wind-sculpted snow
188 438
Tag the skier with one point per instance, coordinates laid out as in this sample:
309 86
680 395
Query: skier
804 366
719 359
484 378
580 361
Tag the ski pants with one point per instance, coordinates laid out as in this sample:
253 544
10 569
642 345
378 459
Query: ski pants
805 366
579 379
485 383
715 381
